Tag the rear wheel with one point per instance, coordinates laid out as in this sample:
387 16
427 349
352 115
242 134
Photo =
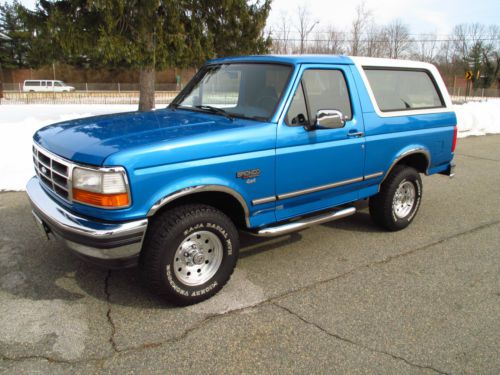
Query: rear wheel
398 201
189 253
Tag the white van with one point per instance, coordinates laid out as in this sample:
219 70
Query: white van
37 85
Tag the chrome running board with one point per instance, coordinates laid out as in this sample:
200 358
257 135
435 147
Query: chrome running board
302 224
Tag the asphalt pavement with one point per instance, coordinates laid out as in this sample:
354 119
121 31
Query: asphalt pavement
345 297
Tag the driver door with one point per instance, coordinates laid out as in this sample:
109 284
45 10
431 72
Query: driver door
317 168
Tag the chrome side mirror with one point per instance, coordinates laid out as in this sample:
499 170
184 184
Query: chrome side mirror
329 119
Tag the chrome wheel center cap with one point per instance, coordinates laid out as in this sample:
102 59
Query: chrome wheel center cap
198 258
193 254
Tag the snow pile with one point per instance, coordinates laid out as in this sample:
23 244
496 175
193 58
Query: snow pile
478 118
19 122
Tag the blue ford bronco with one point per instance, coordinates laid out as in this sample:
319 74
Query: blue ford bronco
263 144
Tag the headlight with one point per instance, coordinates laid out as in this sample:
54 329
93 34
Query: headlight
101 188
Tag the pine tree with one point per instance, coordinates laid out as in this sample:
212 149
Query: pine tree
235 27
14 46
147 35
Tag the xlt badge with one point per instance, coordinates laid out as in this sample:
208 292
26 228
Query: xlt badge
251 173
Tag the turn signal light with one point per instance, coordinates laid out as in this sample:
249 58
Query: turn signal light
101 200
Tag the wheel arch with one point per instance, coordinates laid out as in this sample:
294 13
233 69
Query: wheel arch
221 197
416 157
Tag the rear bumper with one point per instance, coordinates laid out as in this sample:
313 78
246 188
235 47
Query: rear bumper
450 171
109 244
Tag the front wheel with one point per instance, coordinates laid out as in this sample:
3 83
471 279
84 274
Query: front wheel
189 253
397 203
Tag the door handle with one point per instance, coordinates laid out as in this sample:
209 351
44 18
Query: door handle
355 134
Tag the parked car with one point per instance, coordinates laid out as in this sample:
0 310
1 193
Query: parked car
263 144
36 85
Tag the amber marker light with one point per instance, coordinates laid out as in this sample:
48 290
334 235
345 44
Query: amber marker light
101 188
103 200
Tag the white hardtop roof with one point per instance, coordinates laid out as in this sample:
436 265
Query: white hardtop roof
375 61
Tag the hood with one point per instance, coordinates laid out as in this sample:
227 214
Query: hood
91 140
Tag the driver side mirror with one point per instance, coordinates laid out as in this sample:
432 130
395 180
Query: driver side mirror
329 119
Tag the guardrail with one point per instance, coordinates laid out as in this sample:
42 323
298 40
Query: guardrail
76 97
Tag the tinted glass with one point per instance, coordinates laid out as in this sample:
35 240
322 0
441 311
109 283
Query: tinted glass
297 113
397 90
32 83
244 90
327 89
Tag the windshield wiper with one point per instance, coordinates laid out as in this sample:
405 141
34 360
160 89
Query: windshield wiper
219 111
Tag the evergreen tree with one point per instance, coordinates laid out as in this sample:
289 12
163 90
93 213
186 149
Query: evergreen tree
136 34
14 47
143 34
235 27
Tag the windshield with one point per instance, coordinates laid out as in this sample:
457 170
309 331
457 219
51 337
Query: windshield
247 90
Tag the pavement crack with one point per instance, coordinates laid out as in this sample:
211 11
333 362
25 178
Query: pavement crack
351 342
382 261
273 300
478 157
108 313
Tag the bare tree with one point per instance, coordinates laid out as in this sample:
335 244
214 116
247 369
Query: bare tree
494 36
490 64
375 41
426 47
361 20
281 44
398 38
335 41
465 37
305 26
330 41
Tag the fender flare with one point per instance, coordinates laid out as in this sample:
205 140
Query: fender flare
411 151
198 189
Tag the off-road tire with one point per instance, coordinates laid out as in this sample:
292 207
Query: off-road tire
163 242
382 210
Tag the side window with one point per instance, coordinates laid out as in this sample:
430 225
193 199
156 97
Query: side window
297 113
400 90
325 89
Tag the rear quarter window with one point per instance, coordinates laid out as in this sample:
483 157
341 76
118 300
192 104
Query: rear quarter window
403 89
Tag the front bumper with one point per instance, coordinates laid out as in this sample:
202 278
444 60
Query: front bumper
113 245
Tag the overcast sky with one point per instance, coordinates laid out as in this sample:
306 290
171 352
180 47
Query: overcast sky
423 16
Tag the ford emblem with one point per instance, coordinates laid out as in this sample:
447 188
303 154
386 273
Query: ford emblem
44 170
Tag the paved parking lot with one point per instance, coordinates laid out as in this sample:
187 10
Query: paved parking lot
343 297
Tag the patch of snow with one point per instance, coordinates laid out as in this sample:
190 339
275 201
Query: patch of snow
478 118
19 122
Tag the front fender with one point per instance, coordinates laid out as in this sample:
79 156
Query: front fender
192 186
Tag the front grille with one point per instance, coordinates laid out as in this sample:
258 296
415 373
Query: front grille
53 172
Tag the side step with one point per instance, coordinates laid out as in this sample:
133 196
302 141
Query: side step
302 224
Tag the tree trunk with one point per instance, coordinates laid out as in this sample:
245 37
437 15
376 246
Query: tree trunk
147 78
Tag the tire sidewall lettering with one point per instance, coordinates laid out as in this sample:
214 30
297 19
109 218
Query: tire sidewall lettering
196 291
417 200
173 284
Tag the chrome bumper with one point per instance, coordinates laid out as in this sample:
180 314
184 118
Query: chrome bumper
113 245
